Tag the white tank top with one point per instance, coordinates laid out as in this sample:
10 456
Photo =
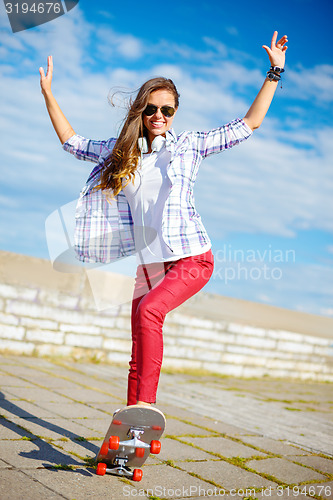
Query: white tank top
147 197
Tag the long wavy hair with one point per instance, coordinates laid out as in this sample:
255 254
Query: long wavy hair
123 161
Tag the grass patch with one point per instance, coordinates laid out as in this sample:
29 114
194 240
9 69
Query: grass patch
63 467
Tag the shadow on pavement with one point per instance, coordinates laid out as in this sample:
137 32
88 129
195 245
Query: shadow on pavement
45 450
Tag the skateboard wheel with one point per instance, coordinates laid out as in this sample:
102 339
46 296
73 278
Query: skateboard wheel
137 475
155 447
114 442
157 428
104 449
101 469
117 422
139 452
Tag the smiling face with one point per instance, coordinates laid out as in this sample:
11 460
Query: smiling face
158 124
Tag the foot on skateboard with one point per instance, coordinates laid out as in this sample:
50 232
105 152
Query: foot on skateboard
133 434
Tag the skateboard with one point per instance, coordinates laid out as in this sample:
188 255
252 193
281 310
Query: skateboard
133 434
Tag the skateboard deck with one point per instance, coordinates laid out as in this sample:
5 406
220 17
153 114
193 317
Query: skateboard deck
133 434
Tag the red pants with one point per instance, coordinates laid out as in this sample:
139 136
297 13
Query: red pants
159 288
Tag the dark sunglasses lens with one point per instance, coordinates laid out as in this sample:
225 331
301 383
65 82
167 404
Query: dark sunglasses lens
168 111
150 110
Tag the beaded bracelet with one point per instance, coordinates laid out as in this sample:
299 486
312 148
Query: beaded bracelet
274 74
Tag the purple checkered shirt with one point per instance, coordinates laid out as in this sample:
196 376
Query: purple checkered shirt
104 228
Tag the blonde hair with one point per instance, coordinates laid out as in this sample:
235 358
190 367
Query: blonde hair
123 161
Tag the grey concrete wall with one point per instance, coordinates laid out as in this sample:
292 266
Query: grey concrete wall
45 312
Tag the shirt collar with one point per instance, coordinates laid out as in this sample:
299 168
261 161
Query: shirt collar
170 136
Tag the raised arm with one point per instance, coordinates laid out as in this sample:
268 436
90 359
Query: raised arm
59 121
259 108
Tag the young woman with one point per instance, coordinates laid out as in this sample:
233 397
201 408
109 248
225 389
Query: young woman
142 189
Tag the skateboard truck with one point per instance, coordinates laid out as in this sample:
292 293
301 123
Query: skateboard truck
120 468
135 442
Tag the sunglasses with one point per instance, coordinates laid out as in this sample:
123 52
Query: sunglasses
167 111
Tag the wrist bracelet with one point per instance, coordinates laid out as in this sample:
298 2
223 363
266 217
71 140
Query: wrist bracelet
274 76
277 69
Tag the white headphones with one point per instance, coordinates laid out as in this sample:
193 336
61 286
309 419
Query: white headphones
156 145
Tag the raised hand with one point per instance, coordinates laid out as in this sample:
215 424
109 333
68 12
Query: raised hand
59 121
276 52
45 81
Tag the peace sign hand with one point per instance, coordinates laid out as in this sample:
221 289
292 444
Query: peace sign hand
277 51
45 81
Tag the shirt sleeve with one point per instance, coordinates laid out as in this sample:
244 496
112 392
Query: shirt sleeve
87 149
219 139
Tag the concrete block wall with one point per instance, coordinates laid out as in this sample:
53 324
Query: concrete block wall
44 312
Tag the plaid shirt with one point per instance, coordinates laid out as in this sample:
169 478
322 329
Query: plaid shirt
104 229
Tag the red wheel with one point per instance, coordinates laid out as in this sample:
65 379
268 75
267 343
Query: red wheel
157 428
137 475
139 452
104 449
114 442
116 422
155 447
101 469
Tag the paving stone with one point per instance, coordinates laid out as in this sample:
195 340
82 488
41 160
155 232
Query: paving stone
96 426
210 493
285 470
12 381
226 475
181 413
108 408
55 428
82 484
24 409
176 427
230 430
9 430
71 410
15 484
319 463
224 447
88 395
273 446
36 394
32 454
272 493
168 482
173 450
58 384
83 449
325 490
199 420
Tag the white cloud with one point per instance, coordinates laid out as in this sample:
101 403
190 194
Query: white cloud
110 43
289 285
268 186
315 83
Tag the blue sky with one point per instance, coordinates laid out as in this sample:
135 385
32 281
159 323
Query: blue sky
267 204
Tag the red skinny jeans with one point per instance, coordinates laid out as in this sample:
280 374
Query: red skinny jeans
159 288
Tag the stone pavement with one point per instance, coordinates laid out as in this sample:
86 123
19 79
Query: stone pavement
225 437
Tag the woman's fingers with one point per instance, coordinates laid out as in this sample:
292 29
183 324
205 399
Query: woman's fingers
49 66
45 81
268 50
282 41
274 37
